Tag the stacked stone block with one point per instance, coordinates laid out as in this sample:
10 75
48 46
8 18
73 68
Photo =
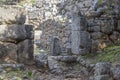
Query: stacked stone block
16 38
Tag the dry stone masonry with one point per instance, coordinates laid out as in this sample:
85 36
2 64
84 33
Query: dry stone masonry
98 20
79 27
16 38
70 28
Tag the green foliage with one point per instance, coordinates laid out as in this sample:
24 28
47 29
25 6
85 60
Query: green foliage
2 2
18 74
29 73
32 1
109 54
100 2
26 1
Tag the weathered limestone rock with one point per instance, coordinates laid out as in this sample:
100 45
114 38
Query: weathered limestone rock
107 26
8 51
25 51
102 77
94 29
118 26
75 33
16 42
29 31
55 48
97 35
102 17
12 66
115 36
84 63
75 42
116 73
41 60
102 69
66 58
85 42
81 42
11 15
54 65
12 33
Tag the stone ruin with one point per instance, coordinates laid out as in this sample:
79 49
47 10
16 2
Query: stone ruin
87 29
16 38
90 26
96 20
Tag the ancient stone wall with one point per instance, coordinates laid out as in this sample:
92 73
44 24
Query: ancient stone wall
16 38
99 20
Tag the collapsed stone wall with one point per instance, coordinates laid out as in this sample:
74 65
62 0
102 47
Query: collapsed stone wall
99 18
44 15
16 38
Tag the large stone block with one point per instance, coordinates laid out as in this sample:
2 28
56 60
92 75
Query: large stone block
29 31
116 73
115 36
12 33
97 35
94 29
107 26
8 51
75 39
25 51
103 68
75 22
81 42
94 46
11 15
55 47
85 42
41 60
102 77
54 65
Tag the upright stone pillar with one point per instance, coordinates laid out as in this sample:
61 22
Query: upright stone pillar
80 39
75 36
25 47
55 48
